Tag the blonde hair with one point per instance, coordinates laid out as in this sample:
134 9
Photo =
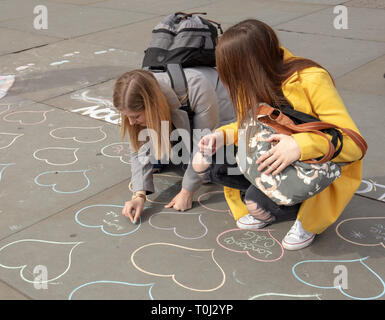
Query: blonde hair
136 91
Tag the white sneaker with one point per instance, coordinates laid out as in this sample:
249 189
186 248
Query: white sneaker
297 237
249 222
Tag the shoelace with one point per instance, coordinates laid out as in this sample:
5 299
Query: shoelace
295 229
254 219
298 231
251 218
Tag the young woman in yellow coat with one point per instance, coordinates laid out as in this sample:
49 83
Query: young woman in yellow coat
254 68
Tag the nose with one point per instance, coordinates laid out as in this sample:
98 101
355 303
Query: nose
132 121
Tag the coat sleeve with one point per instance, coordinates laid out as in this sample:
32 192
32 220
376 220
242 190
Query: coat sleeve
230 133
204 103
141 170
328 106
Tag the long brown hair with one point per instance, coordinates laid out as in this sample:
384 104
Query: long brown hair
138 90
250 64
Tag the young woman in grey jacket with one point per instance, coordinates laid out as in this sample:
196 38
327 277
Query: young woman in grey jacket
146 100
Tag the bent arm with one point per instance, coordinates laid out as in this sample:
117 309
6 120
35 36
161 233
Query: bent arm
230 133
328 106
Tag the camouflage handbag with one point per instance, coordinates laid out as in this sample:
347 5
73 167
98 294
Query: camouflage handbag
302 179
296 183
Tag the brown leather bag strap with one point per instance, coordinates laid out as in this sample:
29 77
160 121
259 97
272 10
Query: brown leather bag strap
277 116
357 139
314 127
329 155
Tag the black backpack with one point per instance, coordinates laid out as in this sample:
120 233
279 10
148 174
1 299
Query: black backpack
179 41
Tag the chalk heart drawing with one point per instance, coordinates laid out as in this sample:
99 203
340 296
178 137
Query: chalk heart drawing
187 226
105 290
63 181
259 245
57 156
29 117
108 218
167 186
320 274
4 108
7 139
183 265
56 256
212 200
363 231
372 187
79 134
3 166
118 150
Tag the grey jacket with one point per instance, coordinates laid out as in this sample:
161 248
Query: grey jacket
212 107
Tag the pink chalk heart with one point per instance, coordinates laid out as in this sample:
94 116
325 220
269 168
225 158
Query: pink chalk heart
259 245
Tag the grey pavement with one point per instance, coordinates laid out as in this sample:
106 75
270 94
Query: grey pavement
65 172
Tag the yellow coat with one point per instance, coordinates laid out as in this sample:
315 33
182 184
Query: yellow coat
313 92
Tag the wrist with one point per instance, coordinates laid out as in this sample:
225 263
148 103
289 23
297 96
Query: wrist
139 195
218 133
186 192
219 138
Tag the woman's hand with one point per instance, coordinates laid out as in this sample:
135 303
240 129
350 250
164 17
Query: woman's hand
281 155
136 205
210 143
182 201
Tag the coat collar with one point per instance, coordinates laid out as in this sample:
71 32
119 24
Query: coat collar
295 76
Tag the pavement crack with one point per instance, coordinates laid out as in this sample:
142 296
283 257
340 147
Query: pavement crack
327 35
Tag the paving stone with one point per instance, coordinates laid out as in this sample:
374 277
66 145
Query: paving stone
89 249
375 4
77 243
370 78
94 101
362 23
14 41
270 12
324 2
71 20
8 293
350 54
77 2
373 188
367 112
16 9
164 7
134 37
60 155
59 68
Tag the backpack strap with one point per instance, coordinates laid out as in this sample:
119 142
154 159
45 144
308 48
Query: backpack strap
179 85
178 79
